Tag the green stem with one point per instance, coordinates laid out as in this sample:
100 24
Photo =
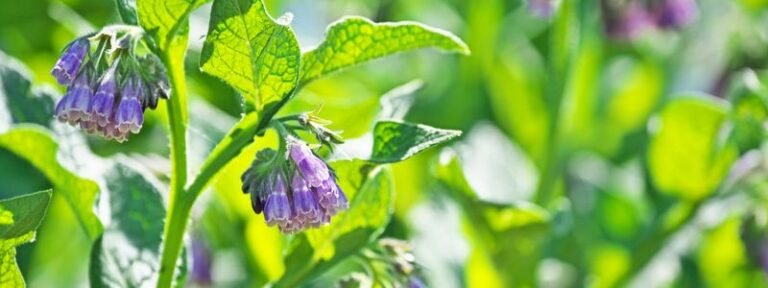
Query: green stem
176 224
240 136
178 207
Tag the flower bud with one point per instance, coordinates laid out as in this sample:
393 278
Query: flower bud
71 60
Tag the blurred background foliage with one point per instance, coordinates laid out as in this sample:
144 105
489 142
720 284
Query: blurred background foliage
592 155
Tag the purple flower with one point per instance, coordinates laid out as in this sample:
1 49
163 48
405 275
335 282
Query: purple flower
104 100
73 107
626 22
310 201
330 197
67 66
675 13
541 8
201 262
306 208
312 168
415 282
277 209
130 114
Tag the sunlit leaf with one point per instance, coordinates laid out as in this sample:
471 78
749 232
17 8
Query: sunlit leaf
509 234
354 40
128 253
19 218
722 258
166 21
688 155
247 49
38 147
396 141
396 103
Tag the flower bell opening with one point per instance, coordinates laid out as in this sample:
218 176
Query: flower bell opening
109 89
295 190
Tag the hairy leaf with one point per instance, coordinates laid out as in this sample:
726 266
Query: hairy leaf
19 218
19 103
354 40
128 254
166 22
688 156
247 49
396 141
38 147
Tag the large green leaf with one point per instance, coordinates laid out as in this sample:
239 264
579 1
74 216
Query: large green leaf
19 218
371 194
688 156
128 254
38 147
395 141
354 40
252 52
504 237
18 101
166 21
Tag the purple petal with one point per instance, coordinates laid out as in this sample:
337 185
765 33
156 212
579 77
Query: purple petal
67 66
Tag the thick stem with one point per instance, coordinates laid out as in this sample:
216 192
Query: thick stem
178 206
229 147
175 225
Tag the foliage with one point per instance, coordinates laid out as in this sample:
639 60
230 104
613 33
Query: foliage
564 144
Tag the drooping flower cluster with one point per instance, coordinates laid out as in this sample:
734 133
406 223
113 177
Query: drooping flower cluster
108 99
297 194
628 19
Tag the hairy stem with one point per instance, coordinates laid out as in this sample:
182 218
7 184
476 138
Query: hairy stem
178 209
240 136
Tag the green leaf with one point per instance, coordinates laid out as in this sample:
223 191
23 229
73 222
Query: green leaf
128 254
166 21
127 11
371 194
39 148
354 40
255 54
688 155
20 103
504 237
19 218
396 141
396 103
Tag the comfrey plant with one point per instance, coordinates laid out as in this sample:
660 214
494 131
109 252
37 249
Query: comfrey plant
108 89
112 76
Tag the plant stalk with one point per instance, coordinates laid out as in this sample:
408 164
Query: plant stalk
178 207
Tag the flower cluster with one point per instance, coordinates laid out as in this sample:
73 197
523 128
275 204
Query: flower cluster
108 99
627 19
294 195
